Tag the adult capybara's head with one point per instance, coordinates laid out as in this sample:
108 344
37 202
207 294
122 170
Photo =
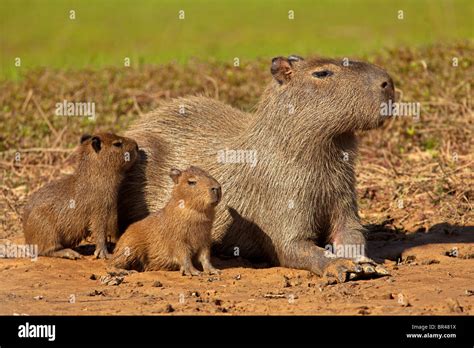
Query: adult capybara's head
335 95
196 188
109 151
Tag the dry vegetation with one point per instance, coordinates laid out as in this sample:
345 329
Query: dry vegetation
411 175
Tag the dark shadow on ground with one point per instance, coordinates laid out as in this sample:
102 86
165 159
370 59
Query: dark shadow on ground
387 242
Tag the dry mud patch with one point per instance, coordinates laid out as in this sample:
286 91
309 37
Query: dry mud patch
432 273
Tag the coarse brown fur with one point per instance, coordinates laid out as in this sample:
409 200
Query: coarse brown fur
171 237
300 195
62 213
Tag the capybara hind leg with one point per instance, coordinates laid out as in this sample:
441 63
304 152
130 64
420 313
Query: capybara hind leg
65 254
122 259
205 259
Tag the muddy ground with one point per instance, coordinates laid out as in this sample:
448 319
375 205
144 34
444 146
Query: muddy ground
431 273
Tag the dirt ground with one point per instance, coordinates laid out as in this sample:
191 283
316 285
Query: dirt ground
424 280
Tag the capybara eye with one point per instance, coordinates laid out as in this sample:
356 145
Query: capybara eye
322 74
117 143
192 182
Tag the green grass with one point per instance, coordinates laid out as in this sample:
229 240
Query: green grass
106 31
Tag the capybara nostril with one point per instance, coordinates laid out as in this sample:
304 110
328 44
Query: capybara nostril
387 84
216 191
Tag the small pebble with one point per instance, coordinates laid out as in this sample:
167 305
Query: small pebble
157 284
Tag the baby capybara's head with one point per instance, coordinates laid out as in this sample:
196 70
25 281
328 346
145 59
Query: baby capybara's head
336 95
196 188
109 151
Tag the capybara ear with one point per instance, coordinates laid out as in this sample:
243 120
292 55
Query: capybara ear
294 58
175 174
96 143
281 69
85 137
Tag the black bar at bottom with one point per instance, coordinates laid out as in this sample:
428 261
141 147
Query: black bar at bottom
240 330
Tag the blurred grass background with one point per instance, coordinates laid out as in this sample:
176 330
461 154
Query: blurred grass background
104 32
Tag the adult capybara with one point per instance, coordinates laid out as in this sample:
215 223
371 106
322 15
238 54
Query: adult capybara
62 213
287 170
171 237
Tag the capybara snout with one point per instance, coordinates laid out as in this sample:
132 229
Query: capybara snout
381 82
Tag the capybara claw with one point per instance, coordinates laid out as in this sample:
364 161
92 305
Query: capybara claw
352 276
372 270
213 271
368 269
381 270
343 270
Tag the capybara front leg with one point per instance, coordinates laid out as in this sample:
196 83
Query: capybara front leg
307 255
205 259
99 231
348 242
187 268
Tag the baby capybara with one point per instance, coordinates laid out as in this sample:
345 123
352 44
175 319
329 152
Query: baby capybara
170 238
62 213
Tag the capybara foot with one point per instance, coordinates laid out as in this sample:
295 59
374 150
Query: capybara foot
190 271
66 254
119 272
340 270
370 269
101 253
211 270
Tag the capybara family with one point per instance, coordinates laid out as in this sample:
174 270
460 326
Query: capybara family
287 174
62 213
299 195
173 236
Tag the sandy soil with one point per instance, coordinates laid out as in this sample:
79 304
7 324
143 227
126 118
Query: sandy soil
425 280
